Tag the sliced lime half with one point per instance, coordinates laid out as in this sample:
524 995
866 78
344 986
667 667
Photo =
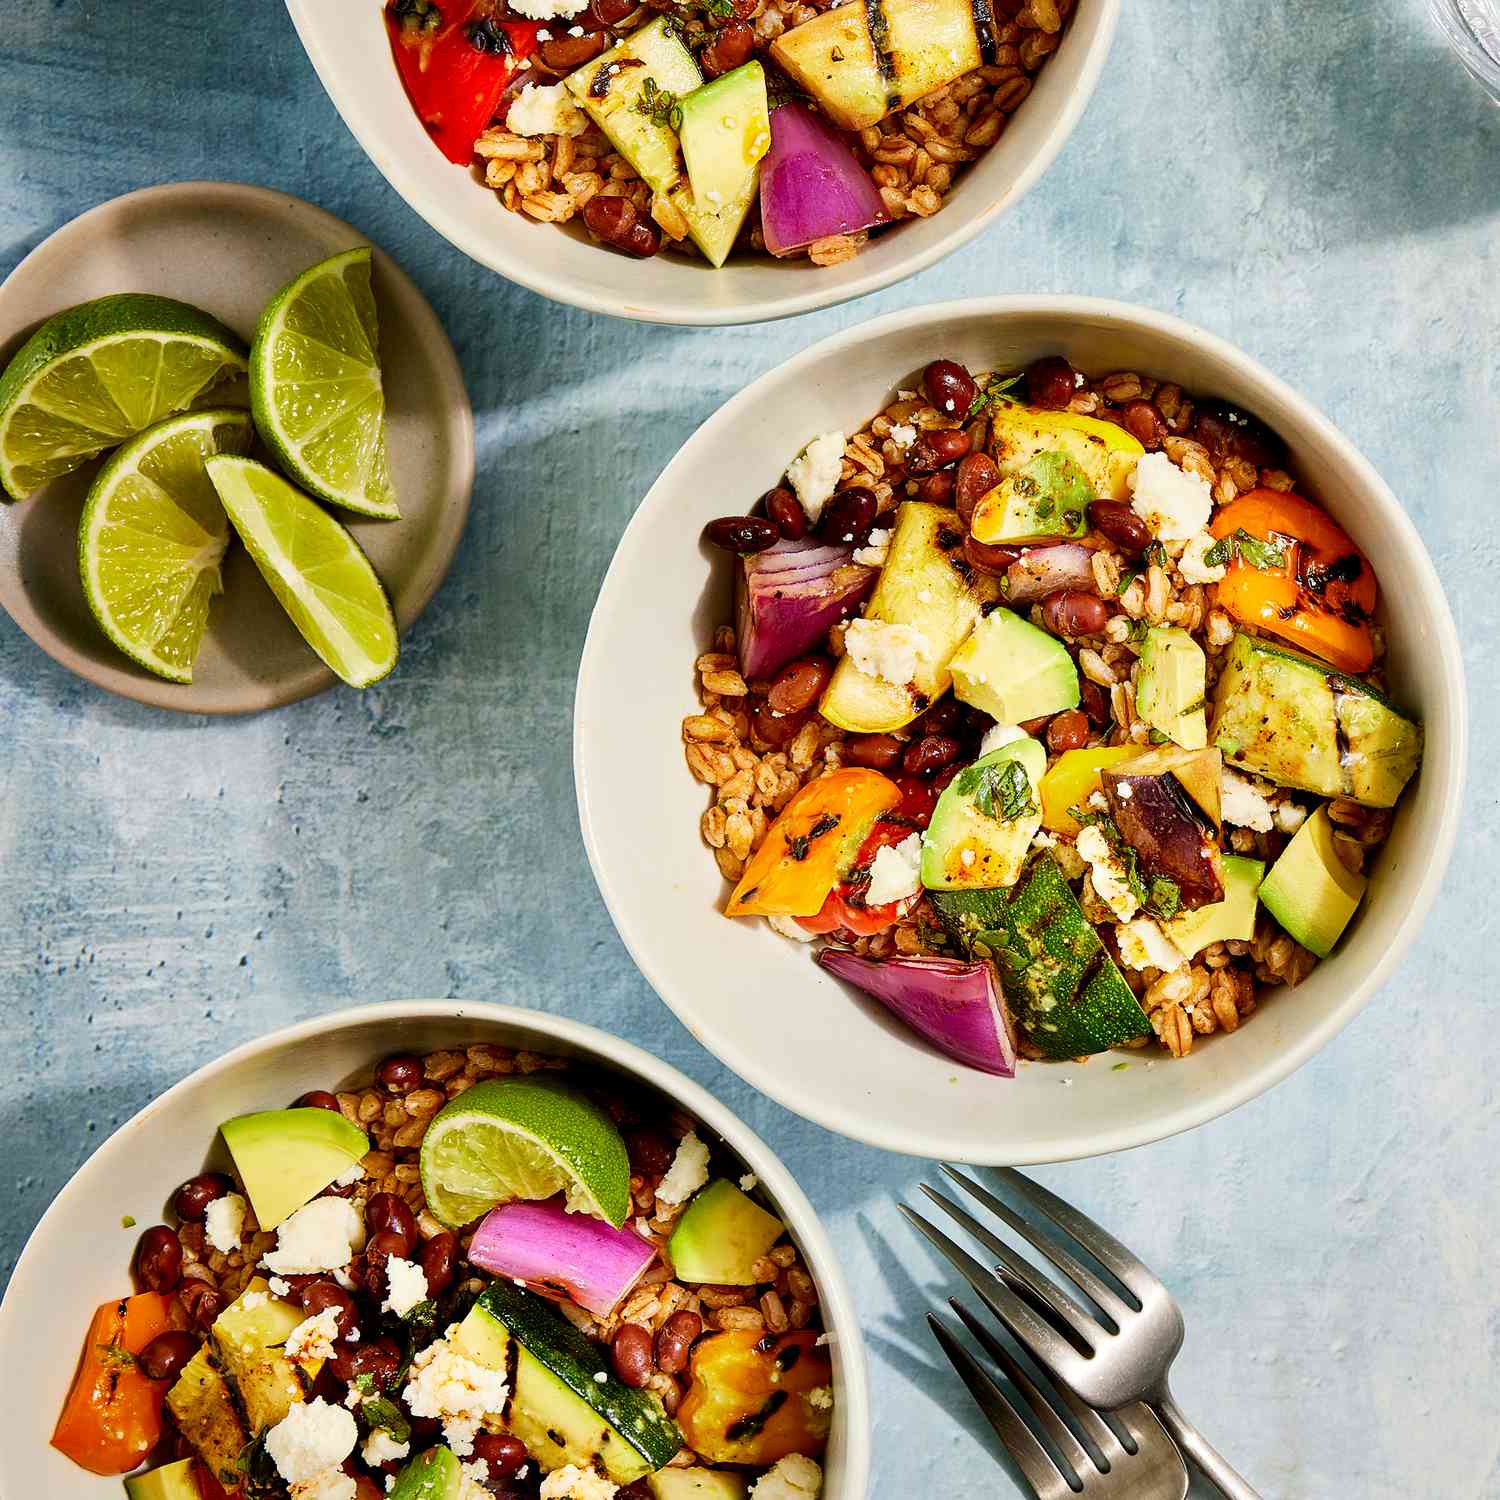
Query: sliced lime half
314 567
101 372
315 385
523 1139
153 535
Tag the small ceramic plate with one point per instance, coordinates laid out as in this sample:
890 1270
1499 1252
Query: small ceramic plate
227 247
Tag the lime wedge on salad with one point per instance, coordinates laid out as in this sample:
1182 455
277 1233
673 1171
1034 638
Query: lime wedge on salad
97 374
523 1138
315 385
315 568
153 535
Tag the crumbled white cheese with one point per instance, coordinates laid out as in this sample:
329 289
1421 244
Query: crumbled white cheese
473 1480
1290 816
966 856
545 10
1174 504
688 1172
452 1389
331 1484
814 473
1125 791
895 872
350 1175
791 1478
1107 872
883 650
749 1182
322 1236
223 1222
1194 567
545 109
875 551
820 1398
1143 945
1242 805
313 1338
381 1448
312 1437
790 927
251 1300
601 1377
572 1483
279 1288
406 1286
903 435
999 736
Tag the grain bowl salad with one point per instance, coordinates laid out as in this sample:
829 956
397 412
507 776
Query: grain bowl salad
711 127
1051 714
483 1273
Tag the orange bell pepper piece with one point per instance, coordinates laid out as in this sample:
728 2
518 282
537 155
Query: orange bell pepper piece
112 1417
1323 593
748 1402
809 848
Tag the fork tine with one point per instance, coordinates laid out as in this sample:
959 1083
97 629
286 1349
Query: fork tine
1052 1297
1064 1260
1040 1337
1098 1431
1102 1245
1020 1442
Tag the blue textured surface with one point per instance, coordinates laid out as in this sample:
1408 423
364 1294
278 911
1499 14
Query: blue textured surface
1318 183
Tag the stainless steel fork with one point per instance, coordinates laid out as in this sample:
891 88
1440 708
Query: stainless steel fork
1116 1350
1102 1465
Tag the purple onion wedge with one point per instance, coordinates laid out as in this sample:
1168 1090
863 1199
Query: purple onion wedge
811 185
789 597
562 1255
956 1005
1040 571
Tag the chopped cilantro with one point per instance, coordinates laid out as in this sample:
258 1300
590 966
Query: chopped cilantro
1156 555
659 105
128 1222
1000 791
1165 898
1126 579
997 388
1265 555
381 1411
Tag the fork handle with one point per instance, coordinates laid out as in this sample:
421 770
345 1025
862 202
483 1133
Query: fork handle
1203 1454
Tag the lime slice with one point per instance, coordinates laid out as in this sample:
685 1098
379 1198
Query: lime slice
153 535
315 568
523 1138
315 385
101 372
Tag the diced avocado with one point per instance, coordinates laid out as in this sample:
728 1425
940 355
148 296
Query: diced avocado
205 1415
1310 890
1060 983
1107 454
433 1475
726 130
1013 671
861 63
697 1484
925 584
170 1482
1301 724
286 1157
247 1341
985 820
1170 693
625 93
1072 779
1229 920
557 1406
721 1236
1048 496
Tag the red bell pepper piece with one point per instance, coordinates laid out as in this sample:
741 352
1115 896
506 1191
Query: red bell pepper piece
455 61
845 906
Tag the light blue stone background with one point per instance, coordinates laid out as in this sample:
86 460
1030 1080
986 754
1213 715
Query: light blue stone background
1320 183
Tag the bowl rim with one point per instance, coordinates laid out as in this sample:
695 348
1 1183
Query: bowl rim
530 272
803 1219
932 1142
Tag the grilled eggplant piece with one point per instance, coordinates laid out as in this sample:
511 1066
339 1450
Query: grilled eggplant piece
862 61
1166 807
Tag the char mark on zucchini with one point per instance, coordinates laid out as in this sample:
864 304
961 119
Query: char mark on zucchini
984 29
880 40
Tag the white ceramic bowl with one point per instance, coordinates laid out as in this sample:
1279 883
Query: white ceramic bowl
348 46
78 1256
756 1000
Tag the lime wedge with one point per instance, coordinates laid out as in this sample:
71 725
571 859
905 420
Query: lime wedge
315 385
523 1138
153 535
101 372
315 568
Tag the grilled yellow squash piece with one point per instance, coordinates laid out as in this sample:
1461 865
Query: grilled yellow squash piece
205 1414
